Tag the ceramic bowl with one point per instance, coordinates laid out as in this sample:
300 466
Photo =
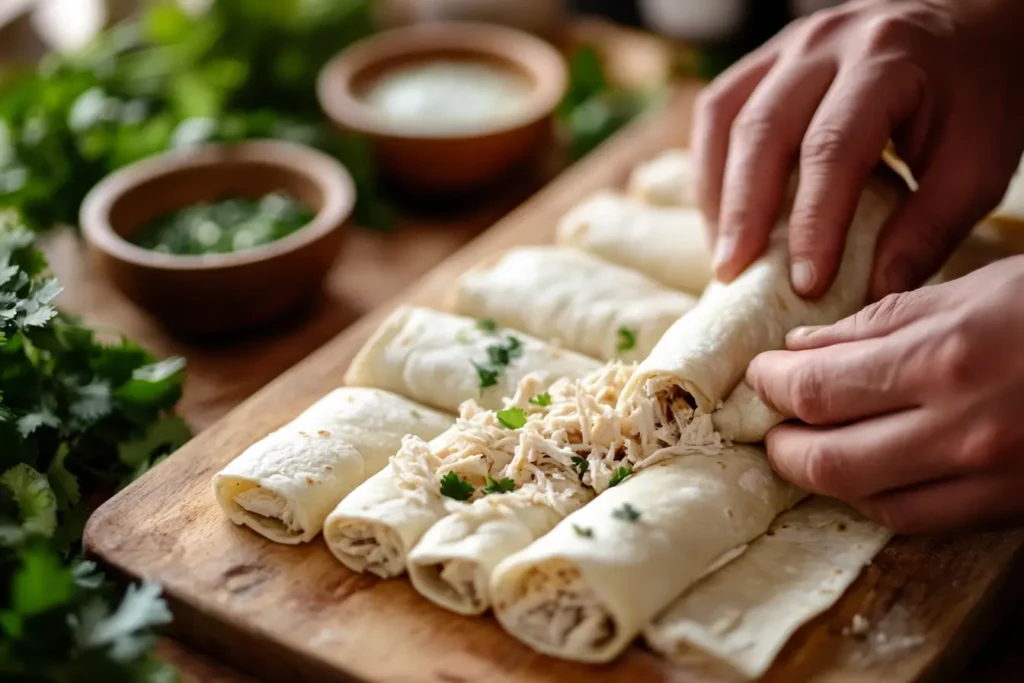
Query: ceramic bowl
219 292
445 163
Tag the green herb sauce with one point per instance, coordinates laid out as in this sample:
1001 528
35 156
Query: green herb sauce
224 226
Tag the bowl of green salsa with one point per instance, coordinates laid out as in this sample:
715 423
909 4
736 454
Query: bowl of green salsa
220 237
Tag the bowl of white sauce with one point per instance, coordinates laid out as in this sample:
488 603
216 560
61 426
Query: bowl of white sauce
448 106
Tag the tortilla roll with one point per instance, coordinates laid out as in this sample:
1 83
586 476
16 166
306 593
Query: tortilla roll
566 296
432 357
706 353
667 244
666 180
744 613
283 486
587 588
744 417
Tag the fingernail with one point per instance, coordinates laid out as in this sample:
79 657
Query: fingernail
725 249
800 334
801 274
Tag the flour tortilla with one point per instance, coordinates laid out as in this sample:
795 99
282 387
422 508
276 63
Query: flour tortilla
744 417
705 354
429 356
667 244
587 588
566 296
744 613
452 564
666 180
283 486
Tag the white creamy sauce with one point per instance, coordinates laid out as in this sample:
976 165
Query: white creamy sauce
446 97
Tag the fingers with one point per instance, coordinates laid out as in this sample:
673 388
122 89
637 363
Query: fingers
945 506
843 144
879 319
763 145
838 384
861 460
716 108
923 232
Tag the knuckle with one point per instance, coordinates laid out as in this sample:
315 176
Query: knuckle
954 362
985 444
887 31
826 145
823 470
895 517
756 127
807 397
818 28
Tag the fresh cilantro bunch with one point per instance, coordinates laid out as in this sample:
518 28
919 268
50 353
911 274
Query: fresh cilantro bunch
78 418
238 71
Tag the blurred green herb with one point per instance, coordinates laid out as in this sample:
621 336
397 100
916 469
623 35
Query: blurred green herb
503 485
78 418
455 487
238 71
592 109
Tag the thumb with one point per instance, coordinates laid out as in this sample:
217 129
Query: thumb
927 227
876 320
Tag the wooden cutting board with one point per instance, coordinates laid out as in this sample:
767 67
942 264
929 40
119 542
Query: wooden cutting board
295 614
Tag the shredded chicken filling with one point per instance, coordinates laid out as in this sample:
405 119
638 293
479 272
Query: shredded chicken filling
554 608
374 548
464 581
270 508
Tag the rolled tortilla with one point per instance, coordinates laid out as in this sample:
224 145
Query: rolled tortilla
283 487
669 245
429 356
666 180
453 562
705 354
744 417
587 588
744 613
564 295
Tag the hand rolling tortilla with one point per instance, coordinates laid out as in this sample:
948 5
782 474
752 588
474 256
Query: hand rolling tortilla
667 244
587 588
566 296
283 486
442 359
744 613
705 354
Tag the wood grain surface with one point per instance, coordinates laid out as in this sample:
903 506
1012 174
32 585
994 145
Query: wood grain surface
287 613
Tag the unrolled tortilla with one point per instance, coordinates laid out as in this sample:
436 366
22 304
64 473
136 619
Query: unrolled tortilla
587 588
564 295
429 356
744 613
284 486
666 180
667 244
705 354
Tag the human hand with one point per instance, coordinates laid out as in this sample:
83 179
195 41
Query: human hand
941 78
913 408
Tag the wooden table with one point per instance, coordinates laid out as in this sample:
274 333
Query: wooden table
371 268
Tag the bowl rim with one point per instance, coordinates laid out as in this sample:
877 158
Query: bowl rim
330 175
538 58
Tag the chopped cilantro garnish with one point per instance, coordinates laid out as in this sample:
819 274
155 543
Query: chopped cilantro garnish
455 487
627 339
503 485
488 376
541 399
415 413
512 418
584 531
580 465
627 513
620 474
486 325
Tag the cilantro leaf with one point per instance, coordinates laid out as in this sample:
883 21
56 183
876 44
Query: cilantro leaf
583 531
36 501
170 432
626 512
158 384
620 474
512 418
40 583
487 376
503 485
124 633
455 487
487 325
543 399
627 339
580 465
63 482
